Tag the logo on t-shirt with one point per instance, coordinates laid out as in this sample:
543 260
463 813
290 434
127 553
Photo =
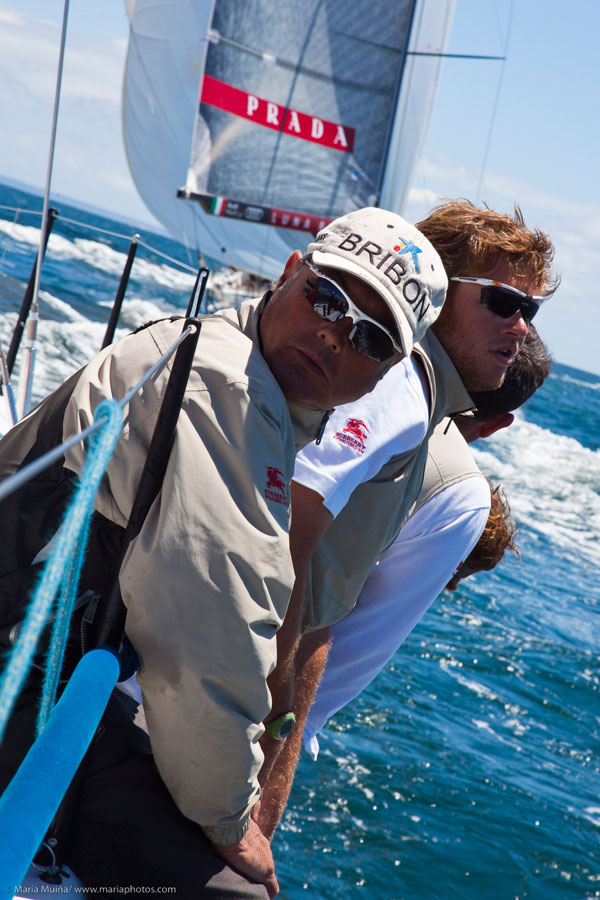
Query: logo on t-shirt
276 486
354 434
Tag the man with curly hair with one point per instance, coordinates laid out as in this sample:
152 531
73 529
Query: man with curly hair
497 537
345 516
499 273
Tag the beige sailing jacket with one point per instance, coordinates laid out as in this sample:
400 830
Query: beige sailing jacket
378 508
207 581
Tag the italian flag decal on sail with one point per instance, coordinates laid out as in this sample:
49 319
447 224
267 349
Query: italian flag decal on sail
217 205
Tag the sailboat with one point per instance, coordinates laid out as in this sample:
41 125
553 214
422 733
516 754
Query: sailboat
246 123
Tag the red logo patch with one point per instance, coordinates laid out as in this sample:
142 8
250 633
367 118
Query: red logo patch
354 434
276 486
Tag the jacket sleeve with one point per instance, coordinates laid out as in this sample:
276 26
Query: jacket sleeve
206 584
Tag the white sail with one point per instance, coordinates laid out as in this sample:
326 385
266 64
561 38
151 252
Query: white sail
313 108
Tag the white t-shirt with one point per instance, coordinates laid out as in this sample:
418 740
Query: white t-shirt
435 540
361 437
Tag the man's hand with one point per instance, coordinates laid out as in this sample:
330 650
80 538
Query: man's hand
252 857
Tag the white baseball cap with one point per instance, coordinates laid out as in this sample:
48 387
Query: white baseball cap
392 257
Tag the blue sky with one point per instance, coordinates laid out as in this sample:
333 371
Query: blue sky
525 131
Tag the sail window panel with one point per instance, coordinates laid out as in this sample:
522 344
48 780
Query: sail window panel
300 100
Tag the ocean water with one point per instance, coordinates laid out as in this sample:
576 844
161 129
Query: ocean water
469 769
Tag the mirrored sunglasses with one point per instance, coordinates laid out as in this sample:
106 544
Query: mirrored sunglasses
502 299
332 303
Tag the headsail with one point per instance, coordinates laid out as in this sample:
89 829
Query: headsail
299 113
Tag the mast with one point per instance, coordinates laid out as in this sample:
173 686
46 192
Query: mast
30 336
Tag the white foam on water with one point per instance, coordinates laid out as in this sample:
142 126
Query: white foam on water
552 483
475 686
136 312
101 256
61 351
61 306
5 419
111 261
165 275
22 234
65 345
90 251
587 385
95 254
7 326
592 814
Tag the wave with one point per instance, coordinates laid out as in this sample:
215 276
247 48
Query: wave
579 382
99 256
21 234
552 483
62 350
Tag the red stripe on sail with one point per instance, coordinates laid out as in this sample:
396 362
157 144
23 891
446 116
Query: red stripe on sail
285 218
280 118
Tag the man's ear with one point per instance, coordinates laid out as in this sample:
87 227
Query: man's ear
490 426
291 267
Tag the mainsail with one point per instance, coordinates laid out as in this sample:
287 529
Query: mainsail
286 115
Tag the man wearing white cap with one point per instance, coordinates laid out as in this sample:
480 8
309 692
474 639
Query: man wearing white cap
207 581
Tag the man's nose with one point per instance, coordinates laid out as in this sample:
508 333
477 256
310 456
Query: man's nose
335 334
517 325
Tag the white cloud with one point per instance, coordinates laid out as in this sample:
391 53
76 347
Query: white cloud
28 39
9 17
92 67
89 160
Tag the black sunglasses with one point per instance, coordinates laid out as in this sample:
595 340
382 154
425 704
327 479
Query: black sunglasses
332 303
504 300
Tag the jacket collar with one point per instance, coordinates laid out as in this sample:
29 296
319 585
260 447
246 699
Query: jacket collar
307 423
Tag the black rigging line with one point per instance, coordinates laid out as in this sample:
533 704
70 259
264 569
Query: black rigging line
496 103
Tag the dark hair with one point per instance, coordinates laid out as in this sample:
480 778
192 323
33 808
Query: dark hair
523 377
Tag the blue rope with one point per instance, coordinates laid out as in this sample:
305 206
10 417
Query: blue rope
62 569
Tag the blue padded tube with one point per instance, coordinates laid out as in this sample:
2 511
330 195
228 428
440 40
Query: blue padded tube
29 803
